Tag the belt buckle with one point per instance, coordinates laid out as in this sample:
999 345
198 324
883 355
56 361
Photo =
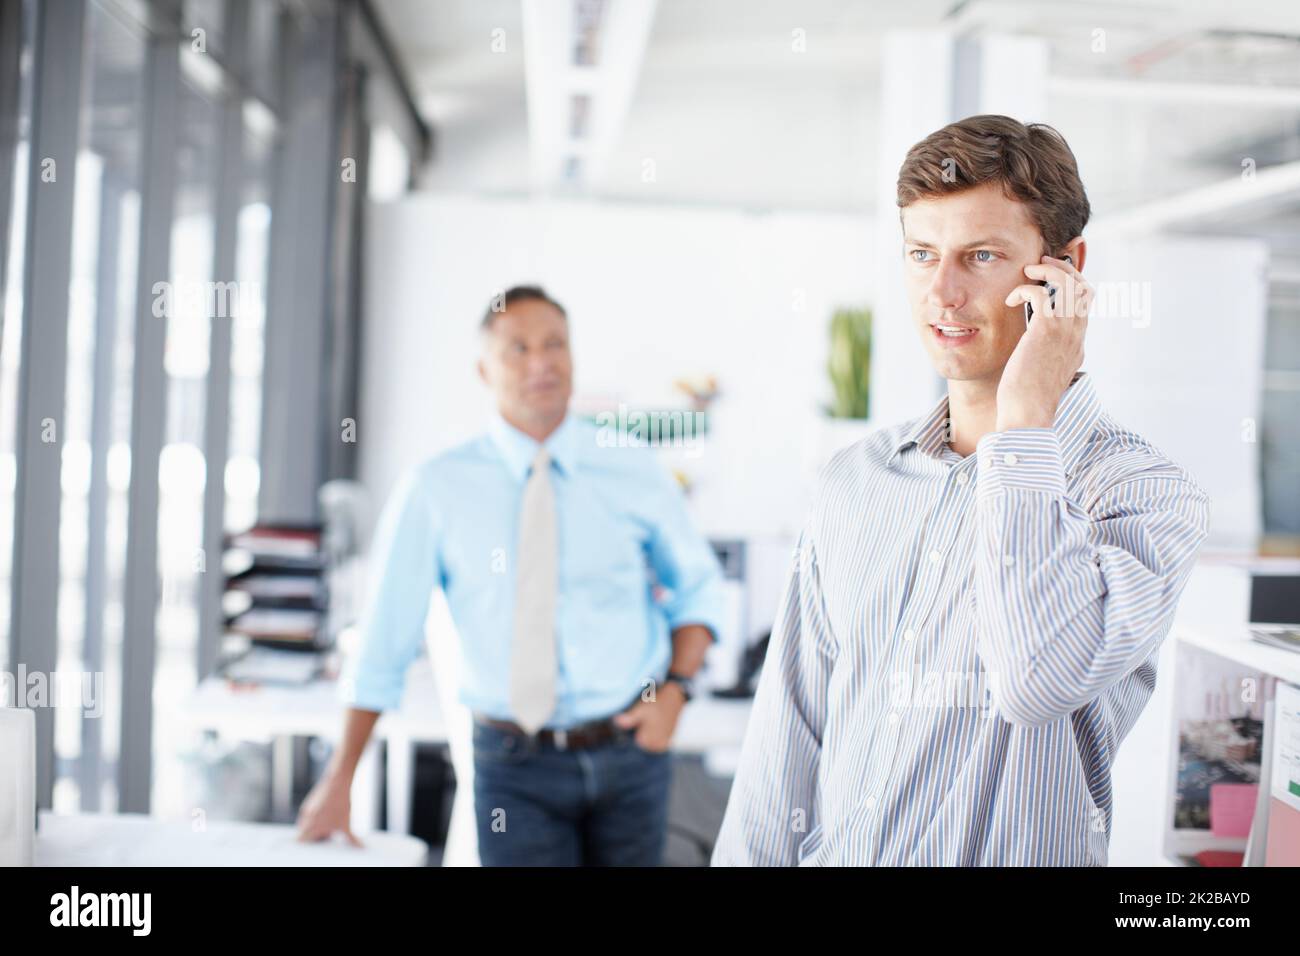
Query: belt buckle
561 738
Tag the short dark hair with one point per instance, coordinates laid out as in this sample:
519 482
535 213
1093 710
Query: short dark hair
1031 163
518 293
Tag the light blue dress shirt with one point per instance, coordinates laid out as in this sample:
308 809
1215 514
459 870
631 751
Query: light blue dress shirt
632 568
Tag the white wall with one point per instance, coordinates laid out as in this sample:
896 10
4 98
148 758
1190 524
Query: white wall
1184 370
653 293
915 100
1188 375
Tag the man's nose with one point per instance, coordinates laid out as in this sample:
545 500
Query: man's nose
947 290
538 362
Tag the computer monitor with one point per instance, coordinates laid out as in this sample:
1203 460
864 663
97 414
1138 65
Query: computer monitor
1275 599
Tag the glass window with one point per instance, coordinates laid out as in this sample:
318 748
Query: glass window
1280 439
11 292
95 435
390 167
182 471
263 49
243 473
203 25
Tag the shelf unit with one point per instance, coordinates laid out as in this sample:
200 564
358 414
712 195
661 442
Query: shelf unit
276 588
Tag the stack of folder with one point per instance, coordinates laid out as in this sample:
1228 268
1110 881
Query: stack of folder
276 593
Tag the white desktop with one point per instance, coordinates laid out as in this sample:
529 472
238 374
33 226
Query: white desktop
17 785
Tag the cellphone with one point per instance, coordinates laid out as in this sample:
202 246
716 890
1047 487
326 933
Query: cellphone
1051 296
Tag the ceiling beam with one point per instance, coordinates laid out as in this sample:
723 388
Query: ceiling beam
1264 191
581 64
1255 96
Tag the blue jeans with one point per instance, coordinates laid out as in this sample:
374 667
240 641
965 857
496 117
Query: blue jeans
539 806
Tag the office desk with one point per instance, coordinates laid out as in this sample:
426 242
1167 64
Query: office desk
1215 609
1211 635
130 839
277 714
1234 643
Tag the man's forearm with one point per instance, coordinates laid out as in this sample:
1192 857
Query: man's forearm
1070 600
690 644
357 727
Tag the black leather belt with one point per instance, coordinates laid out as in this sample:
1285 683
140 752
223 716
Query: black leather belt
592 734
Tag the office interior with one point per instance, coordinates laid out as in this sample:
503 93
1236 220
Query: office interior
244 249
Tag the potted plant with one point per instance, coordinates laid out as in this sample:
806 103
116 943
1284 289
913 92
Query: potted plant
847 418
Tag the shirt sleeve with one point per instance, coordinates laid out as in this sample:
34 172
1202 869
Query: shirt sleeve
682 560
1071 600
773 811
404 570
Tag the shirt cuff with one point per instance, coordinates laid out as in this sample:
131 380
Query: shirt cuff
701 609
1030 459
368 692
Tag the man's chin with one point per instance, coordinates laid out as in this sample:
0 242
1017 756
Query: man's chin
962 370
547 405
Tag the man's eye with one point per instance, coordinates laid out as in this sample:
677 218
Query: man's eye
983 252
917 255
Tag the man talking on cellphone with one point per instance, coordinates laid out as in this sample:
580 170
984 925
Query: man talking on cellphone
978 599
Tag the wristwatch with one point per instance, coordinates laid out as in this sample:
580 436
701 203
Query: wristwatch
687 684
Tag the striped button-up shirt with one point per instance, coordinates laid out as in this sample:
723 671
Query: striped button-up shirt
963 645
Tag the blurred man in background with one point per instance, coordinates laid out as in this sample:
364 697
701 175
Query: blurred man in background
542 538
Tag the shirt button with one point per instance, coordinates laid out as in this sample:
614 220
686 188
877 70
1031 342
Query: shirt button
893 717
871 803
935 557
1008 560
909 635
963 478
1011 458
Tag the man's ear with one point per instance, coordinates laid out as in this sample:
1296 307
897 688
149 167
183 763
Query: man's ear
1077 250
482 372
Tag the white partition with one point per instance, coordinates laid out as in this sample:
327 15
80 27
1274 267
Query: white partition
653 293
1182 363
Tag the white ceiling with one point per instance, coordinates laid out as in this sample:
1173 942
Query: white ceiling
730 115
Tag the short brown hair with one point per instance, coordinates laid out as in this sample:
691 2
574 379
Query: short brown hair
519 293
1033 163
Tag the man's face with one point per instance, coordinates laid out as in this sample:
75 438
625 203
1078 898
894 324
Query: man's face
526 362
962 255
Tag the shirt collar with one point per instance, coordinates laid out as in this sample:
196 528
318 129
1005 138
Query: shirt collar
518 450
1076 418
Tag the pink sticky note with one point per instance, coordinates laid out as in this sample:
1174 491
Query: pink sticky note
1232 807
1283 847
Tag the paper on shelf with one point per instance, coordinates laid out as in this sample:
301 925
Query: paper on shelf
1232 807
1286 746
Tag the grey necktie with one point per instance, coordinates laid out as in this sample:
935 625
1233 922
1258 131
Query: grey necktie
532 659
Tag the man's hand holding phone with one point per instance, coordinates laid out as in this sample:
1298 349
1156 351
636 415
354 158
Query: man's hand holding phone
1051 349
